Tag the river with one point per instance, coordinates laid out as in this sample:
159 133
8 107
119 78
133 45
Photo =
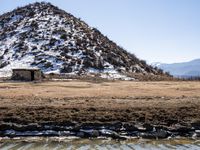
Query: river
55 143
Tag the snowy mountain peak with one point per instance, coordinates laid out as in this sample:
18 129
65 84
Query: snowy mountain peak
43 36
156 64
182 69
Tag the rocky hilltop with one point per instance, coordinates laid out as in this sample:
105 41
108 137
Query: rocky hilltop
44 36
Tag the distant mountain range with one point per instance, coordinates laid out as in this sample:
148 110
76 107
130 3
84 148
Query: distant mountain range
184 69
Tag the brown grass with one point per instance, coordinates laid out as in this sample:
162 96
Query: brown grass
153 102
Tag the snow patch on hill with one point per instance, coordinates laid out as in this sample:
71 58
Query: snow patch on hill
43 36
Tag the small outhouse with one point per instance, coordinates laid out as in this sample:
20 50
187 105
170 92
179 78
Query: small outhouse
27 74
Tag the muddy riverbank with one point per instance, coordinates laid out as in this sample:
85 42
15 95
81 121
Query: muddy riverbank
113 109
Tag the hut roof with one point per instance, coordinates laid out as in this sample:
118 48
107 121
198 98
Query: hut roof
26 69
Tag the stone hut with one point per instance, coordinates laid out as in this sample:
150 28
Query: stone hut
27 74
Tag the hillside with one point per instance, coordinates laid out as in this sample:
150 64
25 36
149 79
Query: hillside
43 36
185 69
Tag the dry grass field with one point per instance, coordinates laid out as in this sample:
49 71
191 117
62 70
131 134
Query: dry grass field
64 89
163 103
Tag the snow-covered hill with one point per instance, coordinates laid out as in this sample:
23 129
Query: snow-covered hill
41 35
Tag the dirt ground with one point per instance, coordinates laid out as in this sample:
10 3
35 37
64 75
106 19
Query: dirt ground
160 103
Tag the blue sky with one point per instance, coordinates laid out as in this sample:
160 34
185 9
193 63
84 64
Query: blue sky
154 30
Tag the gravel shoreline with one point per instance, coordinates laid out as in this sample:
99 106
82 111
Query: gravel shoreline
117 130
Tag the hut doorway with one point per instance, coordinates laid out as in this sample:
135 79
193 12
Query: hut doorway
32 76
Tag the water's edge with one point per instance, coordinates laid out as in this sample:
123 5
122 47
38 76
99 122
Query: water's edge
118 130
38 143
